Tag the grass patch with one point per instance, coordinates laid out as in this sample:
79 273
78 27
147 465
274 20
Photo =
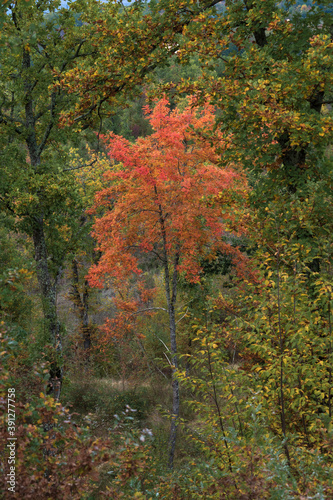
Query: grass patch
98 401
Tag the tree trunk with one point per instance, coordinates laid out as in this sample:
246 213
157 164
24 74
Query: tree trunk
85 319
48 291
175 386
171 299
171 296
46 283
82 304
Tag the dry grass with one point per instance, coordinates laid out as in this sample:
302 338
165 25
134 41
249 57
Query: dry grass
120 385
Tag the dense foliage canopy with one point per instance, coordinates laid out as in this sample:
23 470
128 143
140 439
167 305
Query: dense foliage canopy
166 249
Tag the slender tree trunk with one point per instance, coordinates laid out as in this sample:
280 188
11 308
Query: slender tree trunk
175 387
171 296
48 292
281 343
85 319
171 299
47 285
82 304
330 358
216 401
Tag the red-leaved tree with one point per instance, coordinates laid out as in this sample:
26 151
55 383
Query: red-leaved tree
170 198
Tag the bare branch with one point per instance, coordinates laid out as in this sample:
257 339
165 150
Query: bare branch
182 316
80 166
50 124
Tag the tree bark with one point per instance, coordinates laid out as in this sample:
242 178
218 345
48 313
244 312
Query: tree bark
82 304
48 292
47 284
171 295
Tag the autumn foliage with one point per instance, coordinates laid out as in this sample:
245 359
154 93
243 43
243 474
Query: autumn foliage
169 199
166 197
179 278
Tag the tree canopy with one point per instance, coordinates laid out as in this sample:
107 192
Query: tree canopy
166 249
